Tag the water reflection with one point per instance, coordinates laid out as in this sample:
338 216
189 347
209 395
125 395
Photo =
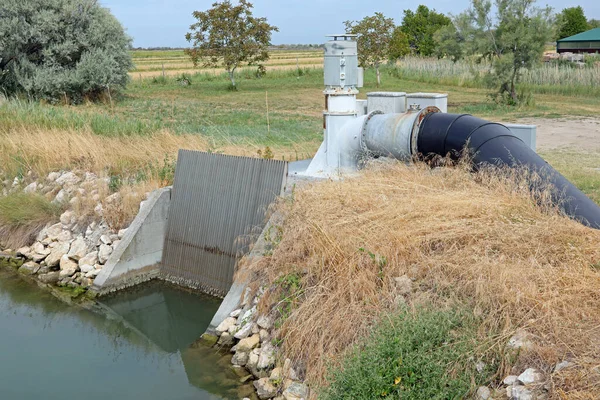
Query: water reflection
142 351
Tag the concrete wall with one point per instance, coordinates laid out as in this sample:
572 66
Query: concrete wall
138 256
527 133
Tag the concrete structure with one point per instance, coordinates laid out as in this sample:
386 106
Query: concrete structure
137 258
585 42
526 133
387 102
424 100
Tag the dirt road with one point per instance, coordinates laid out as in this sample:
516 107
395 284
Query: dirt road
577 134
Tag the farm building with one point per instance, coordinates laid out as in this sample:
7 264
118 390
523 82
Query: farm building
584 42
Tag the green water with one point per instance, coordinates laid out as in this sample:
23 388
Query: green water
143 348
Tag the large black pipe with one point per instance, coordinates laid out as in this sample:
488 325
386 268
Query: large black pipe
487 143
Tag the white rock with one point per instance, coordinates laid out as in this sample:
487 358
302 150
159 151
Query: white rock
105 239
244 331
240 358
480 366
104 253
248 315
68 218
89 259
403 285
249 343
89 177
520 340
98 209
62 197
520 393
78 249
236 313
295 391
52 176
483 393
93 273
562 365
122 233
265 322
29 268
57 253
85 268
53 231
510 380
530 375
264 335
24 252
38 247
31 188
68 267
64 236
225 325
265 389
68 178
16 182
267 356
39 257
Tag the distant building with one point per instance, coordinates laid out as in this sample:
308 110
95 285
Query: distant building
584 42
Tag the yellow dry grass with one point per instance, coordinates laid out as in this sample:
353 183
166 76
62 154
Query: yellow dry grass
462 237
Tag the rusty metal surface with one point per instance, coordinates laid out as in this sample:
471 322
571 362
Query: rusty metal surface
218 207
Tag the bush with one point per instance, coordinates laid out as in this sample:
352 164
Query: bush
62 50
424 354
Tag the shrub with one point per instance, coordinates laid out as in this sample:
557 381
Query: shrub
62 50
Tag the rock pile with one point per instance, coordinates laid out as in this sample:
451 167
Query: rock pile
250 337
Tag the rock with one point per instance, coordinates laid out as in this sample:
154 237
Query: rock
29 268
38 258
85 268
403 285
52 176
114 238
24 252
89 259
68 178
276 375
86 282
57 253
289 371
90 177
64 236
530 375
50 278
93 273
264 388
115 244
510 380
240 358
68 218
68 267
483 393
99 210
264 335
248 315
31 188
562 365
520 393
249 343
253 362
44 269
265 322
296 391
104 253
53 231
78 249
236 313
122 233
225 340
38 248
480 366
266 360
225 325
244 331
520 340
105 239
61 197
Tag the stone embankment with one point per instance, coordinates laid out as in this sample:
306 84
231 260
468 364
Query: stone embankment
256 357
71 252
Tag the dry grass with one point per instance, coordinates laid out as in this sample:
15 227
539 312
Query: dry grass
471 239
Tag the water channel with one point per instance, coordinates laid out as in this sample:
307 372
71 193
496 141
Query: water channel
143 346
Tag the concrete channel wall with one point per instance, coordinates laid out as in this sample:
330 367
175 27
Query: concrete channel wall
137 258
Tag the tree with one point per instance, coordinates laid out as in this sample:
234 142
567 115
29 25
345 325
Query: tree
420 26
513 40
61 50
399 46
593 24
374 38
572 21
229 35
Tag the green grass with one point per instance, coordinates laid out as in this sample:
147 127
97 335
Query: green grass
581 168
425 354
22 216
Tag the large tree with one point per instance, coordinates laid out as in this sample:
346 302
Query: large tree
61 50
230 36
513 39
374 38
420 27
593 23
571 21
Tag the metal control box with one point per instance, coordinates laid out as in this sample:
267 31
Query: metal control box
341 62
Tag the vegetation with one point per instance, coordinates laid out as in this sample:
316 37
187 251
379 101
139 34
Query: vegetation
62 50
22 216
413 354
466 250
419 27
230 36
375 35
571 21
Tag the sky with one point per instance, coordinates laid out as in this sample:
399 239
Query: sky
164 23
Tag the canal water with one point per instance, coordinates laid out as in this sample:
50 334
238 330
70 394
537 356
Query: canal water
143 347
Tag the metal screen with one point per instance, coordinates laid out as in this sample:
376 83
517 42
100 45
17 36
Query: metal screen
218 204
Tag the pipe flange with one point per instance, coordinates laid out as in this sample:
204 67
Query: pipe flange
414 136
363 131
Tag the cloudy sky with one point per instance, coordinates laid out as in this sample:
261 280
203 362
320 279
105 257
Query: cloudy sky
154 23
